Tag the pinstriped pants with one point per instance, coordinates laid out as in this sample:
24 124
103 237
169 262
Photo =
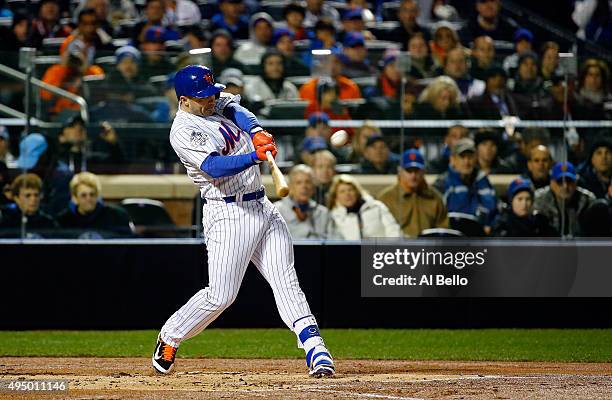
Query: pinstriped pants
236 233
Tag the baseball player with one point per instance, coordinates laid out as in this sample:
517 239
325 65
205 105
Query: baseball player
221 143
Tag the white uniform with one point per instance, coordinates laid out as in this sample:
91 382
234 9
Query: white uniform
235 233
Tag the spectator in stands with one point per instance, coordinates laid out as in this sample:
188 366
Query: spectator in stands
233 79
594 21
323 171
283 42
262 28
593 97
14 38
527 87
489 22
311 145
26 191
487 143
324 38
519 219
465 189
390 78
154 13
407 13
32 153
453 135
563 194
317 10
232 18
526 140
271 85
153 47
194 38
523 43
355 56
328 94
549 67
377 157
294 15
440 100
5 150
352 21
305 218
90 34
347 88
356 214
538 166
411 201
102 8
88 215
47 24
75 63
126 77
367 15
421 63
181 13
456 67
496 102
596 170
360 138
483 57
444 39
222 50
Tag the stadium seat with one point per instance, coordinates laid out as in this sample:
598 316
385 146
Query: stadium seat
466 224
150 217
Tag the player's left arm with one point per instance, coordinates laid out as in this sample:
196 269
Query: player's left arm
229 106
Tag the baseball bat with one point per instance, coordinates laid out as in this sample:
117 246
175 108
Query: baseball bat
280 183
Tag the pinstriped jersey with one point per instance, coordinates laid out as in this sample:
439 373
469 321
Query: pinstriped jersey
193 138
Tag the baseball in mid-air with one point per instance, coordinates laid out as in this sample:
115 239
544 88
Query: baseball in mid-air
339 138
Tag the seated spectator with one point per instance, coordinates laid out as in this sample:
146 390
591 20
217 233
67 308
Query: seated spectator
596 170
324 39
26 191
262 28
166 109
359 140
519 219
13 39
271 85
593 97
328 96
356 214
563 194
153 47
440 100
102 8
489 22
283 42
154 13
496 102
323 171
453 135
355 56
347 88
456 67
181 13
352 21
407 14
90 34
47 24
377 157
33 154
487 143
232 18
421 63
483 57
126 78
414 204
538 166
528 89
309 147
293 15
549 67
75 63
367 15
523 43
444 39
317 10
390 78
305 218
5 150
233 79
89 216
222 50
526 140
465 189
194 38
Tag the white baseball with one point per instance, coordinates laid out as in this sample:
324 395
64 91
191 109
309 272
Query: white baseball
339 138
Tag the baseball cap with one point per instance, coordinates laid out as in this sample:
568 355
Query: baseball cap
523 34
127 51
353 13
279 33
314 143
413 158
354 39
232 76
159 34
316 117
30 150
563 170
518 185
373 139
389 56
463 145
4 133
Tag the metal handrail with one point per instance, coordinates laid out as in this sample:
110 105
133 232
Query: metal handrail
53 89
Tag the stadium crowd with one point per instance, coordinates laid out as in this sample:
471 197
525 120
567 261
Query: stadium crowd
468 60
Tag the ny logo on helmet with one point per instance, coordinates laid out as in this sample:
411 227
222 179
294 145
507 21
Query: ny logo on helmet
208 78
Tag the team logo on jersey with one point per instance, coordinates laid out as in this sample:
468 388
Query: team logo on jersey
230 137
198 138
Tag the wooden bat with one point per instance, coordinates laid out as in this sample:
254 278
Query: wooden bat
280 183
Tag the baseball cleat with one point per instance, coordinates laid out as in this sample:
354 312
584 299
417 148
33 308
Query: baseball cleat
320 362
323 370
163 357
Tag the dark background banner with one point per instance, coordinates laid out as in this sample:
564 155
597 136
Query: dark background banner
116 285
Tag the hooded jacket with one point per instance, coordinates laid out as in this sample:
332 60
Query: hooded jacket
371 220
250 53
546 202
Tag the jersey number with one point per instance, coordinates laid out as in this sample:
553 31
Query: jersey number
230 138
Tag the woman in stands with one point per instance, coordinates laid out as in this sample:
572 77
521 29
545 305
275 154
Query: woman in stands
593 97
356 214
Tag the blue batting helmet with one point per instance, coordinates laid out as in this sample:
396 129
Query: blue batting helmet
196 81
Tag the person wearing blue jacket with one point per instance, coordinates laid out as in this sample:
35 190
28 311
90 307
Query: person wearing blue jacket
466 189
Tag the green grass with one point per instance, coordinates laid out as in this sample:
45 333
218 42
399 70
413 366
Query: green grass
585 345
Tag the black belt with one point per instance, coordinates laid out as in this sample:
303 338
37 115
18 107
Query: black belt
245 197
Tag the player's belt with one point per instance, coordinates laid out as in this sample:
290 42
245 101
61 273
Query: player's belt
245 197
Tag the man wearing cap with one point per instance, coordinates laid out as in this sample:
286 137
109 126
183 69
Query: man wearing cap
355 56
154 13
377 157
283 42
538 166
464 188
519 219
496 102
5 152
527 88
596 170
487 143
125 79
523 42
414 204
563 202
352 21
231 18
153 46
453 134
261 30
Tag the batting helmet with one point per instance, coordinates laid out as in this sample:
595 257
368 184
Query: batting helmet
196 81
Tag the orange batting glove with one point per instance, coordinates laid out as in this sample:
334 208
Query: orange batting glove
263 149
262 137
